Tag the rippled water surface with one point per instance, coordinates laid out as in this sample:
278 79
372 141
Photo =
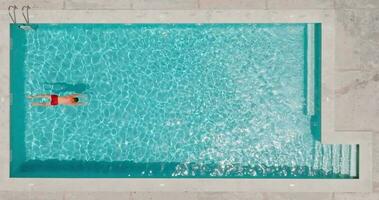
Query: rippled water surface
229 96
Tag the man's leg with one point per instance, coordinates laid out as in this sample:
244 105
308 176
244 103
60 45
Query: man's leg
41 104
40 96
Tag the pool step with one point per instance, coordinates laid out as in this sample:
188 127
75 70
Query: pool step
345 162
310 69
326 158
336 159
353 161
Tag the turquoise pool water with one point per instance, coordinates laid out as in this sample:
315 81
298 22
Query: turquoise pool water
171 100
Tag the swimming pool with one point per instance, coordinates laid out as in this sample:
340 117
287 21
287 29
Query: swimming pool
172 100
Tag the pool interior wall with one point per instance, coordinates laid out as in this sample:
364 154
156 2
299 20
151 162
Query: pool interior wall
21 167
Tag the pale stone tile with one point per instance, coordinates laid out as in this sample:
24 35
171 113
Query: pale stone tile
33 195
164 4
356 196
4 17
369 22
309 4
129 195
164 195
299 196
369 39
357 38
230 196
6 195
376 186
263 196
356 3
4 70
98 195
98 4
347 50
375 153
4 87
232 4
357 94
34 4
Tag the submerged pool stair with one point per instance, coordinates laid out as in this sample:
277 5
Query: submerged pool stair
337 159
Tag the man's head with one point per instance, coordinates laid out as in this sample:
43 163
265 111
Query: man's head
75 99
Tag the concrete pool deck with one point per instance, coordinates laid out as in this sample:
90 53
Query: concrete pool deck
351 85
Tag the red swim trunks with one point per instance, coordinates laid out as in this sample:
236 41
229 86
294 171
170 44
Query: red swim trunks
54 100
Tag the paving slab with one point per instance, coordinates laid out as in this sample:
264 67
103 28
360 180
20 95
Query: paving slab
4 91
369 39
357 39
357 94
356 4
30 195
376 187
348 46
356 196
297 4
98 195
164 195
264 196
35 4
5 195
375 152
299 196
97 5
230 196
232 4
165 4
129 195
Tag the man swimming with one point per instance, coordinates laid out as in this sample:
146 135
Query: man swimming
70 100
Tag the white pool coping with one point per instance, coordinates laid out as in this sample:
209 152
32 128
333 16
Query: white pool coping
329 135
